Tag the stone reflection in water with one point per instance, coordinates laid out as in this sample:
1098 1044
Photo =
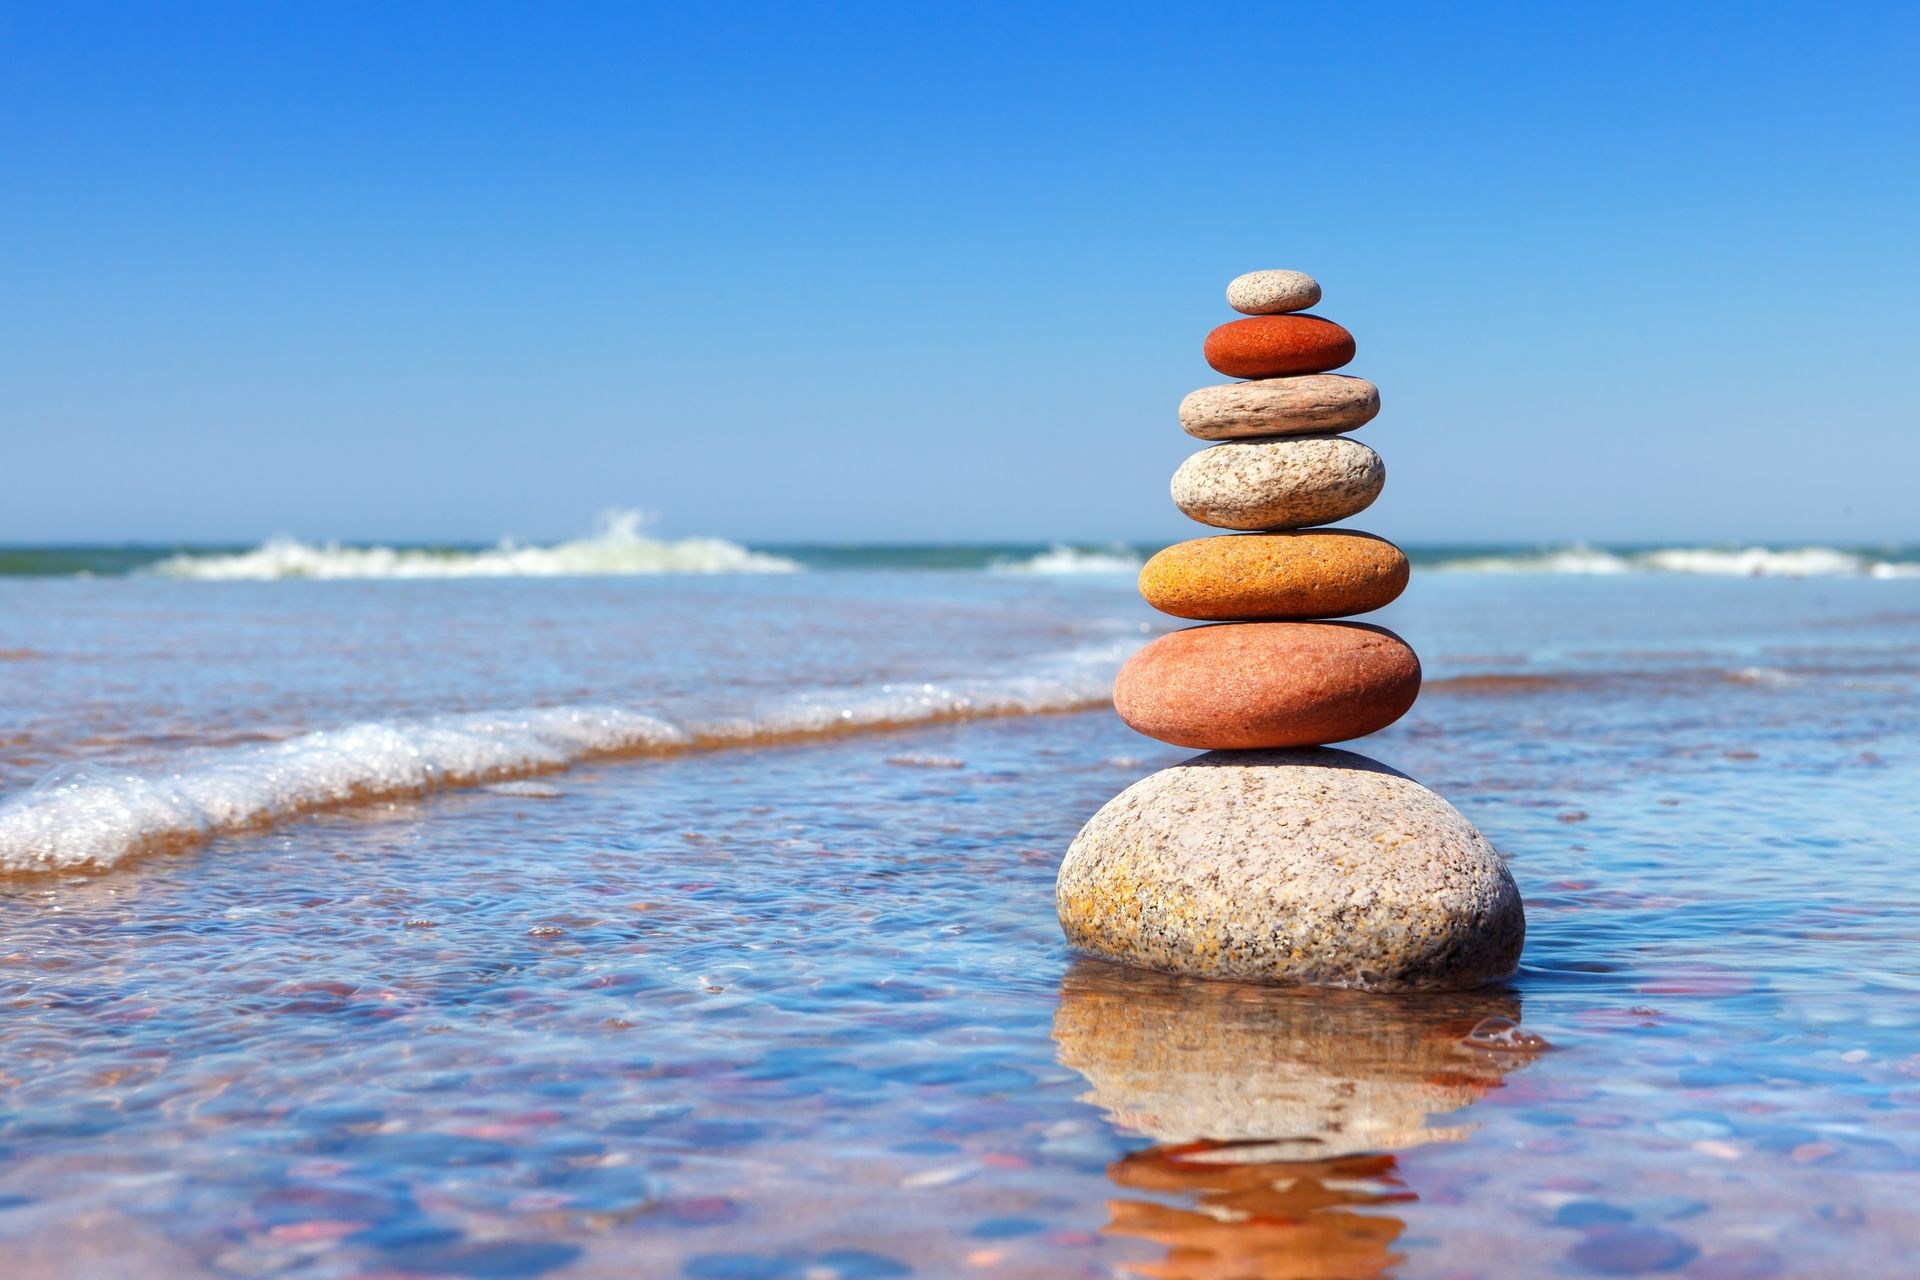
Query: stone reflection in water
1262 1220
1275 1112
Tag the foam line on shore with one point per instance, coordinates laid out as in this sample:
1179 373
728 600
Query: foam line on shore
93 817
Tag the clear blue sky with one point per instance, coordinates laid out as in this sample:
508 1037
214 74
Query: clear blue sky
909 272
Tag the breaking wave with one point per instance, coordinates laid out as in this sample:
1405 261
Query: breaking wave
92 816
616 548
1061 559
1729 562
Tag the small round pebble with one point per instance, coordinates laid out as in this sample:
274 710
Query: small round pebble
1289 483
1272 293
1311 404
1315 867
1631 1251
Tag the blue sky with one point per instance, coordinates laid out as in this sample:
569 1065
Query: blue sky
913 272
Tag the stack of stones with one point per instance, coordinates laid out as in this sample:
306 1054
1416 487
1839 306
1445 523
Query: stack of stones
1271 857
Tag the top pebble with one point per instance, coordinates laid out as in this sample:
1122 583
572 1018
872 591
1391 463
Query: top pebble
1272 293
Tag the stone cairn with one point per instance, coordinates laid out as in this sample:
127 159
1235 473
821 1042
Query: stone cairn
1271 857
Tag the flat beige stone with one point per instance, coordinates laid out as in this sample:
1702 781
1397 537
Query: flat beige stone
1308 867
1289 483
1311 404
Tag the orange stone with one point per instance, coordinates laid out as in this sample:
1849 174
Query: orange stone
1242 686
1317 573
1278 346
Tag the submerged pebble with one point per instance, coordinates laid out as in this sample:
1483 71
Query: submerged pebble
1630 1251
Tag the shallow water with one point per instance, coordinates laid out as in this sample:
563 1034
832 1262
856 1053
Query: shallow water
803 1010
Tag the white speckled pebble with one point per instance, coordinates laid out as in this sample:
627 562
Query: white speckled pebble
1272 293
1316 867
1311 404
1289 483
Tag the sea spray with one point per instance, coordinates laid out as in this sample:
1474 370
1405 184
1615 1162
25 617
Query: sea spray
1725 562
1063 559
617 548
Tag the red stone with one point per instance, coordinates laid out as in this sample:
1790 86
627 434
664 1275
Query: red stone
1278 346
1250 685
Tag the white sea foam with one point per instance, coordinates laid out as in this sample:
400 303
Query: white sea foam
616 548
1768 677
1574 559
89 816
1061 559
1730 562
1758 562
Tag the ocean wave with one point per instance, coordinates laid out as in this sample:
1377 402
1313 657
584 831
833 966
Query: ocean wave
616 548
1063 559
1575 559
1728 562
87 816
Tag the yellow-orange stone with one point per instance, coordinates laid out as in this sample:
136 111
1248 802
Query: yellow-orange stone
1241 686
1317 573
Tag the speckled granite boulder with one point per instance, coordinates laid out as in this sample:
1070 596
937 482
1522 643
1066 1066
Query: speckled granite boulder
1277 346
1310 867
1289 483
1311 573
1311 404
1267 293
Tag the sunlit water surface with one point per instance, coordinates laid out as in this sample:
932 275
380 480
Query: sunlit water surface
803 1011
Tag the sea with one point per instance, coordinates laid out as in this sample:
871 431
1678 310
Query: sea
640 907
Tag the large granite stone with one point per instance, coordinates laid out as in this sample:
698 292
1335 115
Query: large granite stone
1311 867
